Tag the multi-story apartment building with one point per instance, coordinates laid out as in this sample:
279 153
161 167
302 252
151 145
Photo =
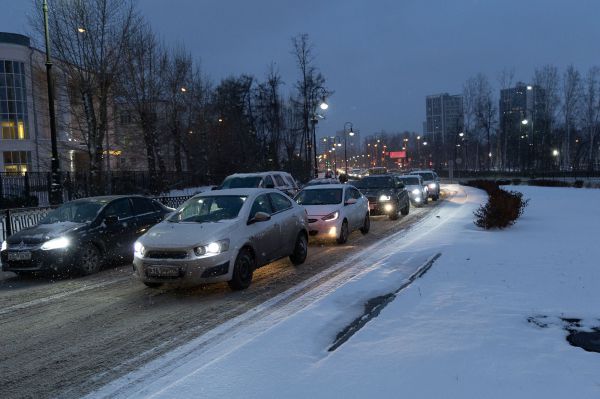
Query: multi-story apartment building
444 121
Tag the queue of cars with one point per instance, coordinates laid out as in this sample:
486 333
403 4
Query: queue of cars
224 234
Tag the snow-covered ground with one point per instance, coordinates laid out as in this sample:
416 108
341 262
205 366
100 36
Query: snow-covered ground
486 321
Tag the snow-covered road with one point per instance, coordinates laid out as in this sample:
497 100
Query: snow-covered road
305 326
487 321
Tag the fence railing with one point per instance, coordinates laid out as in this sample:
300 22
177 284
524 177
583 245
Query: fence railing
32 188
17 219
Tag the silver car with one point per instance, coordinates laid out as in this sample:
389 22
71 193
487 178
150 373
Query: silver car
222 236
431 180
417 191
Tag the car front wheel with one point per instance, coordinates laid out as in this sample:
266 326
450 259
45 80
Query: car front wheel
366 225
404 211
242 270
300 250
344 233
89 260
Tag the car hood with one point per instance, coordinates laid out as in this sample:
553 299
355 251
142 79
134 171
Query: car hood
187 235
321 210
44 232
376 192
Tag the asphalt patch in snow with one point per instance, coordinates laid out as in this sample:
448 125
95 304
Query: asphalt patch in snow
375 305
581 334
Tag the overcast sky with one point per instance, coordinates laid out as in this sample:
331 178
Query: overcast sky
381 57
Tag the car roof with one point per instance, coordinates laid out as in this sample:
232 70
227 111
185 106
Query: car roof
237 191
325 186
107 198
250 174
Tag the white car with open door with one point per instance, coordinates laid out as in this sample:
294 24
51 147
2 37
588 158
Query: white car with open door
335 210
222 236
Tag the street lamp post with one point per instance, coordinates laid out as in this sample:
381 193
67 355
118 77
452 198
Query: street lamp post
350 133
55 186
316 92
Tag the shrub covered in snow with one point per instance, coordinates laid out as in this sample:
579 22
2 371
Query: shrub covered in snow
503 207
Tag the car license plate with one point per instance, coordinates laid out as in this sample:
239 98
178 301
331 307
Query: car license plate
162 271
20 255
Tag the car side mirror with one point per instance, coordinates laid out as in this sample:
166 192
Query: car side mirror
259 217
111 220
351 201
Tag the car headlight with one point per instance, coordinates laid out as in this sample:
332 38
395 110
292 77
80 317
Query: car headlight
4 246
331 216
416 191
385 197
213 248
432 185
56 243
139 249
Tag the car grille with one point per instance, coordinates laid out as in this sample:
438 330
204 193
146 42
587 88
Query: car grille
312 220
166 254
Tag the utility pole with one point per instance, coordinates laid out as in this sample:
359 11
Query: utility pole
55 187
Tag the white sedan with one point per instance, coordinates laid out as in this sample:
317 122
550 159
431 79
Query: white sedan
335 210
222 235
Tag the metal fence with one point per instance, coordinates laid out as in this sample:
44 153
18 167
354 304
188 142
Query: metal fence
32 188
14 220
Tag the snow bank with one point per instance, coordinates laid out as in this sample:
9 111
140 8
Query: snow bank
460 331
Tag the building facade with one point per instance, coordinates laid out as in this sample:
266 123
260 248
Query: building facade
444 121
521 111
25 144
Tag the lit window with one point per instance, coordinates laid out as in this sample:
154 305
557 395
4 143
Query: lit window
17 161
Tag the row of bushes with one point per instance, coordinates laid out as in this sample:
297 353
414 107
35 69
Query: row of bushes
543 183
502 209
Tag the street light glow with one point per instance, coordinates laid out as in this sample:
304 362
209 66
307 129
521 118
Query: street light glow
324 106
555 153
529 87
461 134
183 89
524 121
81 30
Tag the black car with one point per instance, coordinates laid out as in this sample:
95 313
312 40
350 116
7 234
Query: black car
79 236
386 195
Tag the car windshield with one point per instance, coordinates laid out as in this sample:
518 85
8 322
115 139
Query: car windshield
241 182
425 175
409 181
374 182
328 196
209 209
76 211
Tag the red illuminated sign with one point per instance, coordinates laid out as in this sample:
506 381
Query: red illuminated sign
398 154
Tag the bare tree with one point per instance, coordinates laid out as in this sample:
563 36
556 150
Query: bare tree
178 84
310 79
505 80
547 78
90 38
485 112
141 88
571 101
591 111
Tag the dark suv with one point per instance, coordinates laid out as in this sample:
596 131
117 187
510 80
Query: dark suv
386 194
79 236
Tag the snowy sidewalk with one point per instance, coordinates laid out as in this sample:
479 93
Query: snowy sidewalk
461 330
